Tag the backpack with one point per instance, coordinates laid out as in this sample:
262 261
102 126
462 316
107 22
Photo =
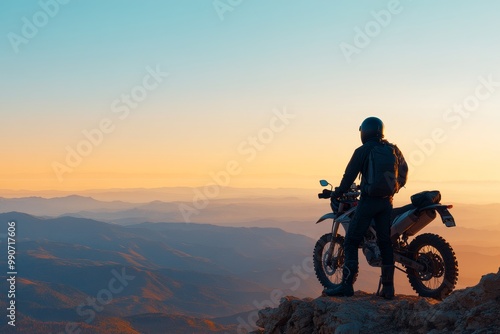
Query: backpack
402 169
386 171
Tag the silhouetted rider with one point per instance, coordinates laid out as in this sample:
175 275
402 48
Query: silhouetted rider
377 208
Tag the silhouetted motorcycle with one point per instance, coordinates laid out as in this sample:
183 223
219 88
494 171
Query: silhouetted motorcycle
428 260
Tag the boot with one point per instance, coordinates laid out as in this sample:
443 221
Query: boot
387 280
345 288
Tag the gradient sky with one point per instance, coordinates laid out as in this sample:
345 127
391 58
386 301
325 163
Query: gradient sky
228 77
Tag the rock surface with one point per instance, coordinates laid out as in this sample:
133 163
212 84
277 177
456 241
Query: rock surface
472 310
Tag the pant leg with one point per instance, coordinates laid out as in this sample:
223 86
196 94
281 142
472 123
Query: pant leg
357 229
383 228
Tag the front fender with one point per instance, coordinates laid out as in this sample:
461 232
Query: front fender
325 217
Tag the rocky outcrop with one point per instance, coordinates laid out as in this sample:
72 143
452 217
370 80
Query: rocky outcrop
472 310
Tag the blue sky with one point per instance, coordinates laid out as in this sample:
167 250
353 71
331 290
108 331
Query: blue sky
97 46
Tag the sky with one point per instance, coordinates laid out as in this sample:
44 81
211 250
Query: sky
101 94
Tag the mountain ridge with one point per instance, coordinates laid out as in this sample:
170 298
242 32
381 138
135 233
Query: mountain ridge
192 272
471 310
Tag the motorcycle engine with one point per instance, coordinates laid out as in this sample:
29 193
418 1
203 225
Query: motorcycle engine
372 253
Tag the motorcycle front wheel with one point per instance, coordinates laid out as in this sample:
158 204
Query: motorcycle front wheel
329 259
440 274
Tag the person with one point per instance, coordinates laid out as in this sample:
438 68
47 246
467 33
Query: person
369 207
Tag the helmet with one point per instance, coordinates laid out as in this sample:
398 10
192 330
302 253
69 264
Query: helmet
372 127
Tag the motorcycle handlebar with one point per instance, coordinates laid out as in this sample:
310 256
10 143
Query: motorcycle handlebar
328 194
325 194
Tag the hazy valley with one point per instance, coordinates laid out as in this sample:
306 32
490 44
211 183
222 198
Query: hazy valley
239 254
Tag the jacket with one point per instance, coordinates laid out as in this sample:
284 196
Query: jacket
357 165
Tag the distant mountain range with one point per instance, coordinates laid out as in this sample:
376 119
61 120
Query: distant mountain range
289 212
161 273
222 211
70 248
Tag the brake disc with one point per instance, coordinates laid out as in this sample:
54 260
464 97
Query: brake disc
438 265
428 263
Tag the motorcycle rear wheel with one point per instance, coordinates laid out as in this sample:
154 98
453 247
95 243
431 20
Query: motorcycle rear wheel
328 267
440 274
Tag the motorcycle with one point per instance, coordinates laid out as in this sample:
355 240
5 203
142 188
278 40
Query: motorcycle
428 260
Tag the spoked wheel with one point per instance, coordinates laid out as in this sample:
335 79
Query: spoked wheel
329 259
440 273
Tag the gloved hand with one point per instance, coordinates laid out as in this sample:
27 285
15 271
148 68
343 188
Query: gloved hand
325 194
335 194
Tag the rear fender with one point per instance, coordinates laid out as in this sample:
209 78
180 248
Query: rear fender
446 216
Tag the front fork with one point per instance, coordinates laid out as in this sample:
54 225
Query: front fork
335 229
